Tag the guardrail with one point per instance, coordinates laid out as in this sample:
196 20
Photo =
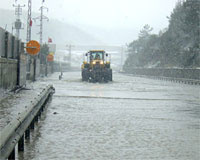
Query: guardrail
176 80
187 75
179 80
19 128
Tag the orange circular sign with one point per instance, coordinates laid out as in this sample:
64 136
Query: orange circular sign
32 47
50 57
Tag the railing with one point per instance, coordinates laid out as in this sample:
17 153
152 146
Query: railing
19 128
187 75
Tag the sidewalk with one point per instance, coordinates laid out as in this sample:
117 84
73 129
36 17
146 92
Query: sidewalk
11 104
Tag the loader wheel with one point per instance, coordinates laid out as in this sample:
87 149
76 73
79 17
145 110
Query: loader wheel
97 78
106 76
85 75
110 75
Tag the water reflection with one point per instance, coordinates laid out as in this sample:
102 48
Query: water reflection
155 122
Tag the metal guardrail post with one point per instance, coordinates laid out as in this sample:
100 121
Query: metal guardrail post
39 114
36 118
27 133
32 126
21 144
12 155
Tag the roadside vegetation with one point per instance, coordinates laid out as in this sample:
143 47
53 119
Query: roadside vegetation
176 46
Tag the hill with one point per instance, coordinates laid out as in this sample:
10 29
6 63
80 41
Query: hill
61 33
176 46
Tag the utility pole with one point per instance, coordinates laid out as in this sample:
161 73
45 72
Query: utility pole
41 18
70 53
29 22
28 38
122 57
18 23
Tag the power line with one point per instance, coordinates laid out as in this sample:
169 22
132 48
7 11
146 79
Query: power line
70 53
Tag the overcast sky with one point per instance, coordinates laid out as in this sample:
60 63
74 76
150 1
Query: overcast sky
106 14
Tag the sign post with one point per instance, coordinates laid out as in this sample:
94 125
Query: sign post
33 48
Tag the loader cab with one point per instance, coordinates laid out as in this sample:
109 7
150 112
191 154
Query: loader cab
96 55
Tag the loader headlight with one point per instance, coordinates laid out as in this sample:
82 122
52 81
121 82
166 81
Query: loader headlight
101 62
94 62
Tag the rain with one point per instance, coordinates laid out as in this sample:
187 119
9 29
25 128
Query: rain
102 80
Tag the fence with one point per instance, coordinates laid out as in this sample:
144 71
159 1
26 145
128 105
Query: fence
12 61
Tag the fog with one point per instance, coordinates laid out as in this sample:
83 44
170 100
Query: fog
113 22
100 79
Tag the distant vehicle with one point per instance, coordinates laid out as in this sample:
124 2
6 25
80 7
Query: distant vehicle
96 67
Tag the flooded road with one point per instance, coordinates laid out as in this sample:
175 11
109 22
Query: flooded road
129 118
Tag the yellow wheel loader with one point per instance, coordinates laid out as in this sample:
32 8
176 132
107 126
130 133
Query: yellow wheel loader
96 67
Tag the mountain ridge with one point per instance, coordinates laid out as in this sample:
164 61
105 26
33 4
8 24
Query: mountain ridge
60 32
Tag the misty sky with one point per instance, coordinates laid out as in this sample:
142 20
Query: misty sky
116 15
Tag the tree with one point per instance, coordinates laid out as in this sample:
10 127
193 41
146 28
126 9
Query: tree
44 51
176 46
145 32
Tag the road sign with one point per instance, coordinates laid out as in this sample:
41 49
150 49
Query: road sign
32 47
50 57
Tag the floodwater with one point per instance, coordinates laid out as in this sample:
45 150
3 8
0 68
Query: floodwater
130 118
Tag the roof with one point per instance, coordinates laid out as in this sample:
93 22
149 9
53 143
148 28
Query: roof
96 51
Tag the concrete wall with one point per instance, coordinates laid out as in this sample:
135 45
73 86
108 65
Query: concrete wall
8 73
37 68
165 72
43 69
46 69
22 65
8 45
2 44
12 61
31 73
50 68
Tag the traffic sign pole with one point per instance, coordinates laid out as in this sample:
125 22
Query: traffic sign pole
33 48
